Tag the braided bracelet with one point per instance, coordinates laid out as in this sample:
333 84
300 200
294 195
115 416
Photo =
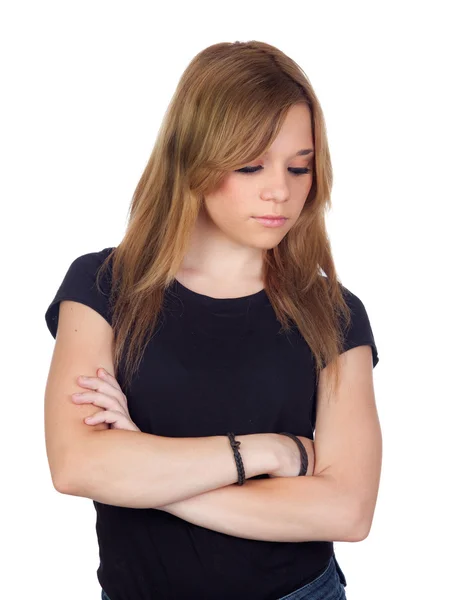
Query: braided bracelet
237 457
303 453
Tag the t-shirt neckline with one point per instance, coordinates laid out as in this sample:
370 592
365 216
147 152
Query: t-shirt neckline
191 294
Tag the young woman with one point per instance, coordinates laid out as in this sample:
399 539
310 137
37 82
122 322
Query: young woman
217 326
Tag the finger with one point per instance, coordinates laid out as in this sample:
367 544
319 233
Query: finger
112 381
104 387
98 399
103 373
116 420
104 416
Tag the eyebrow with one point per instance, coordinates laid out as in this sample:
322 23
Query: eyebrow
303 152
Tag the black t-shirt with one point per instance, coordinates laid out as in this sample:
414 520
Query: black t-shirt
214 365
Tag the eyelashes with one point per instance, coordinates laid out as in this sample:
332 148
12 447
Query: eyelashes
294 171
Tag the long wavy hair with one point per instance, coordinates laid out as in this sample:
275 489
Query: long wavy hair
226 111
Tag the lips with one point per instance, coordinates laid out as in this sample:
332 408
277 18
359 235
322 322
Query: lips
272 217
270 221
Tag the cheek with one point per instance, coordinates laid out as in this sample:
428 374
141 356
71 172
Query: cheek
233 192
228 203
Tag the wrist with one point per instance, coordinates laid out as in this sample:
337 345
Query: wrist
260 453
309 447
290 457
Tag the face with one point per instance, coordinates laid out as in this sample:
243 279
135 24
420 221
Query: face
277 183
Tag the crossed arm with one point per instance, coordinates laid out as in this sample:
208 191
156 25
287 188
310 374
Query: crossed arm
337 502
281 509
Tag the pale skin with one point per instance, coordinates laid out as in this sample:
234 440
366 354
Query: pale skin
224 258
225 509
337 500
106 393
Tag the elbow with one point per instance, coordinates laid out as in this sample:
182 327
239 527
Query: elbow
351 519
352 515
71 468
64 484
357 534
58 474
361 523
60 485
65 479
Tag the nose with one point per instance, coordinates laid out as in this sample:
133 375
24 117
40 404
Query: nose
275 189
278 196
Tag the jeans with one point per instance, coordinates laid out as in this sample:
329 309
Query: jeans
329 585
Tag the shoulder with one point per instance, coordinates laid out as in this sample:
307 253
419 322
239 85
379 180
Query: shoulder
80 284
353 301
359 331
91 261
82 274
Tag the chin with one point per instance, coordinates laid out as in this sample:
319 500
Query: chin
267 244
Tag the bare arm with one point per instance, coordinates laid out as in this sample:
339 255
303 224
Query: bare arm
127 468
140 470
338 502
132 468
284 509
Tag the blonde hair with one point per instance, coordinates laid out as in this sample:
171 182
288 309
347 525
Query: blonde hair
226 111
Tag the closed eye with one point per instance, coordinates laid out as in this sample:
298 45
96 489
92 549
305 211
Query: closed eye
294 171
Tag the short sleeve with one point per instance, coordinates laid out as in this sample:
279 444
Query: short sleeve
79 284
359 333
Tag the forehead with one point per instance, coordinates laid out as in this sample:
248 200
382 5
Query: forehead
295 137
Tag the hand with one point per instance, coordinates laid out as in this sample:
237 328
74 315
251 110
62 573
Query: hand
291 459
106 393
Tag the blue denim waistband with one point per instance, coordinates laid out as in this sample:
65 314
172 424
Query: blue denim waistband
329 585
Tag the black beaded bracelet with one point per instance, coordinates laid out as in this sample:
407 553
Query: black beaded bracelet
303 453
237 457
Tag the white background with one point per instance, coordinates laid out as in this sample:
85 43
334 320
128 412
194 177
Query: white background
84 89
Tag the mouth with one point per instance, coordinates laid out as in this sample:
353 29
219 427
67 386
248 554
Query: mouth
271 221
270 217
